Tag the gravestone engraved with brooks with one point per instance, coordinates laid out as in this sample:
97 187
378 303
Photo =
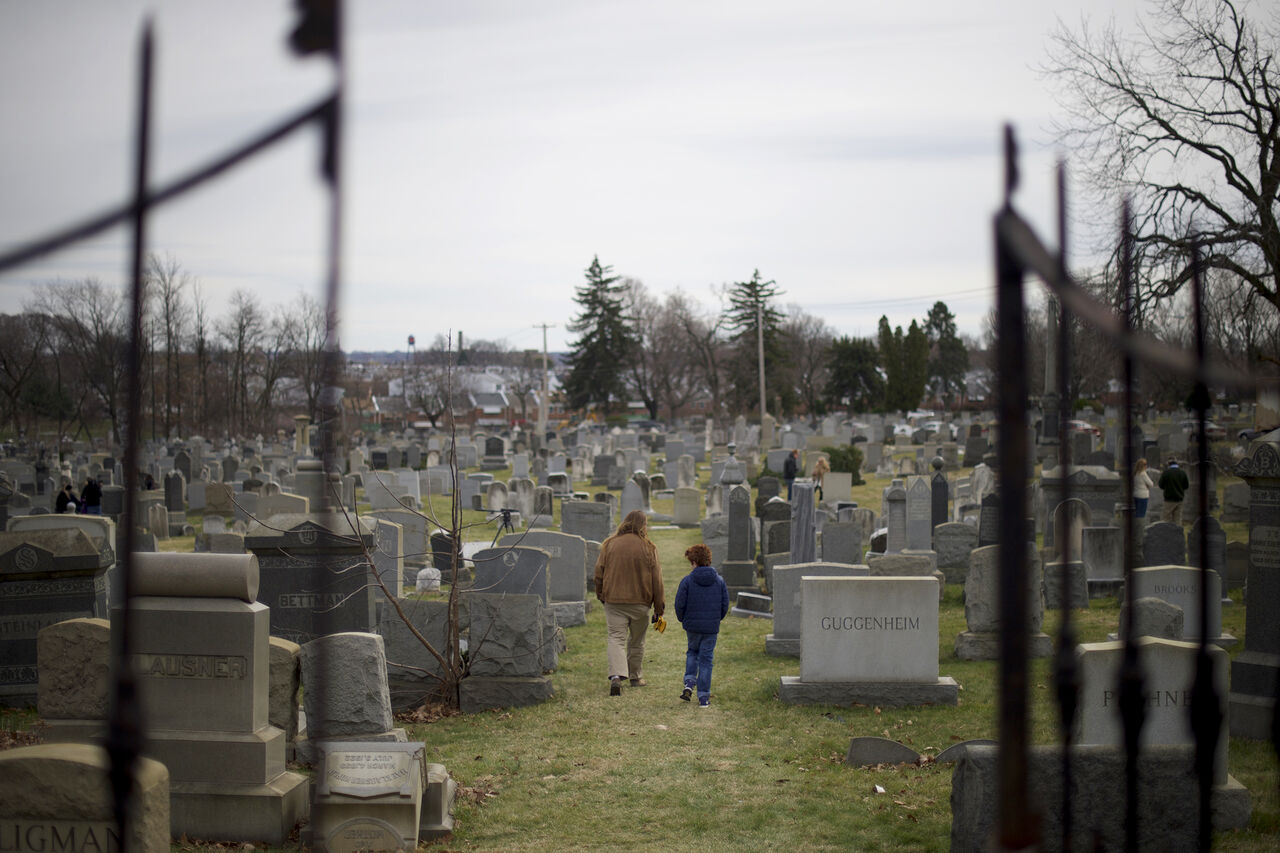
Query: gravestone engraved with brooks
314 575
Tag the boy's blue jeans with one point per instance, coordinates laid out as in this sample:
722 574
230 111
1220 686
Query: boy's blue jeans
697 662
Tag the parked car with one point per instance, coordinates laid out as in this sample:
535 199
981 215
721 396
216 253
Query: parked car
1082 426
1191 426
944 431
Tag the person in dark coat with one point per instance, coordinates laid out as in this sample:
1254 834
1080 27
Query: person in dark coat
66 498
701 602
91 498
789 468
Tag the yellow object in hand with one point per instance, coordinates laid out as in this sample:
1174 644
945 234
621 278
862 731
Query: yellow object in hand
660 625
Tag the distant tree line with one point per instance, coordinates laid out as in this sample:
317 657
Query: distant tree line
672 354
63 359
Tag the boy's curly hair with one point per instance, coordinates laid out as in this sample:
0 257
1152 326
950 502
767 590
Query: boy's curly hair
699 555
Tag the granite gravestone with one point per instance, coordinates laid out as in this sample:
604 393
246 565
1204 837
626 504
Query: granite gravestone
200 642
869 640
314 574
1255 672
785 639
46 576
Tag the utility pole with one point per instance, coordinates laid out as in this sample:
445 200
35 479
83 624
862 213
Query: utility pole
543 403
760 353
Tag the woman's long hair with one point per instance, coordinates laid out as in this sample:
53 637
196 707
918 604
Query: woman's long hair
636 522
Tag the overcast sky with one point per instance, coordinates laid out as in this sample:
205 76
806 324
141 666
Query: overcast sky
847 150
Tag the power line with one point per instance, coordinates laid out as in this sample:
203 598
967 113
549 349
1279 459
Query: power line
900 299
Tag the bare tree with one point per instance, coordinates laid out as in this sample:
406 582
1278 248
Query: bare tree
703 335
22 343
90 320
240 333
1185 118
306 348
167 283
202 350
641 311
809 340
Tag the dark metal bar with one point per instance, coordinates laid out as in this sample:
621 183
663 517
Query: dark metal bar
1131 681
1021 241
1206 712
1016 827
124 213
1067 673
124 738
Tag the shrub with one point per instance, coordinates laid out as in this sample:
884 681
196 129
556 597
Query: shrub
847 459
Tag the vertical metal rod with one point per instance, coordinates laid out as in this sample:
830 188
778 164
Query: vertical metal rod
1067 680
1016 826
124 738
1131 682
1206 712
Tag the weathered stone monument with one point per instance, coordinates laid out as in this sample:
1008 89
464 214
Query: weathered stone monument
46 576
57 798
201 641
315 574
785 639
982 607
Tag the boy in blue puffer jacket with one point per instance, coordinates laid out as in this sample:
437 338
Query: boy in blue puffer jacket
701 602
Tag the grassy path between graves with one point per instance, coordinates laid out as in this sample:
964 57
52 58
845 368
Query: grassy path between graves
647 771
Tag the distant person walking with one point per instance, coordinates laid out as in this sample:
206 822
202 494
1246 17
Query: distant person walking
628 582
702 601
66 500
820 469
1174 483
789 468
91 498
1142 486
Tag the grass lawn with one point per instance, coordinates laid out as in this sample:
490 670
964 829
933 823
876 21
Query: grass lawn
649 772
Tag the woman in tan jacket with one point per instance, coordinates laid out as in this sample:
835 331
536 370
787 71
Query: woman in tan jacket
628 583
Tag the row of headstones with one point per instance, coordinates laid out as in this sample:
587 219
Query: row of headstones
220 674
874 640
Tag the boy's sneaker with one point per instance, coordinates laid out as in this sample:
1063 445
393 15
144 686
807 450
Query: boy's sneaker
704 703
615 686
686 694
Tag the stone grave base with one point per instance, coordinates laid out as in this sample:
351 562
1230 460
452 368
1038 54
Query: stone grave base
1250 716
739 575
1226 641
233 758
750 605
893 694
482 692
74 731
437 804
221 812
307 751
1105 587
569 613
1167 799
985 645
782 647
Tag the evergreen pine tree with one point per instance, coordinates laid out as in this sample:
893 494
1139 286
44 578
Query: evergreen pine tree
598 357
751 306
